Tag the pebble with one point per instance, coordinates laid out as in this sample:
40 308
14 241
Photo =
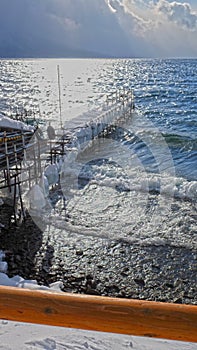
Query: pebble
79 252
89 265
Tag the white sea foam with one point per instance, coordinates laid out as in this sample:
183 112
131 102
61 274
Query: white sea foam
138 180
123 203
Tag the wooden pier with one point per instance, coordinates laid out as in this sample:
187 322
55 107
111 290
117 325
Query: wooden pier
26 152
80 131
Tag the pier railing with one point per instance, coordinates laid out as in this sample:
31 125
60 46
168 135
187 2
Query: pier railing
15 144
88 126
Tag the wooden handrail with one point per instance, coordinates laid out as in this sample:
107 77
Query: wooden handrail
114 315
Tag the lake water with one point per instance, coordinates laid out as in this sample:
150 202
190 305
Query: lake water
140 182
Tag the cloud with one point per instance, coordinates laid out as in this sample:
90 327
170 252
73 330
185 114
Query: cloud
180 14
163 28
129 19
28 27
110 5
175 12
133 26
60 27
83 28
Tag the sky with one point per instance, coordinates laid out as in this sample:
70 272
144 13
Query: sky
98 28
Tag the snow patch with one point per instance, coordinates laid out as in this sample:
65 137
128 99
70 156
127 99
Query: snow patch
20 282
8 123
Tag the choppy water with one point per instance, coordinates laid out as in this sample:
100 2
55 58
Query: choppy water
141 182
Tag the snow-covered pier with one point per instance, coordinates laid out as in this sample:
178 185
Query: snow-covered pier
79 131
72 139
26 158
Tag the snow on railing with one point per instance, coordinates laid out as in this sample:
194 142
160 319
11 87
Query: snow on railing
77 135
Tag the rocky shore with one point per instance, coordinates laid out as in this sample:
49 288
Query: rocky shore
92 265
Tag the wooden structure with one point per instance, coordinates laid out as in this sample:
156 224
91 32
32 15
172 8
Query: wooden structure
13 148
81 130
114 315
14 144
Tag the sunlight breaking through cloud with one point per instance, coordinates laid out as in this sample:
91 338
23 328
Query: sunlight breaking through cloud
99 28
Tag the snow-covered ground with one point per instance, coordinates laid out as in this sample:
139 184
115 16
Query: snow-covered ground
25 336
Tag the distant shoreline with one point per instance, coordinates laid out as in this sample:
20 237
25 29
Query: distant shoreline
93 58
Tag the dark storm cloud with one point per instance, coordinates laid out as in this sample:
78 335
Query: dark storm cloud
60 27
96 28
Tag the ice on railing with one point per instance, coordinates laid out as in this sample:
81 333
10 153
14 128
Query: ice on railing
89 125
51 173
78 132
37 199
44 185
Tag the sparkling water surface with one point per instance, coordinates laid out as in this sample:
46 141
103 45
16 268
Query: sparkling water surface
139 183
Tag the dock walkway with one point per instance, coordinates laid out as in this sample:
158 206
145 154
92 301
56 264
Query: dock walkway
78 132
25 153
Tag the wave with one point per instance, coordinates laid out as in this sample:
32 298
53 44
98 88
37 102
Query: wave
186 142
137 180
144 209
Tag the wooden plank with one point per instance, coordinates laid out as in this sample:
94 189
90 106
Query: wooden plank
133 317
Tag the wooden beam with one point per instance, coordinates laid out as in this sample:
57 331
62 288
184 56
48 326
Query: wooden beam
114 315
